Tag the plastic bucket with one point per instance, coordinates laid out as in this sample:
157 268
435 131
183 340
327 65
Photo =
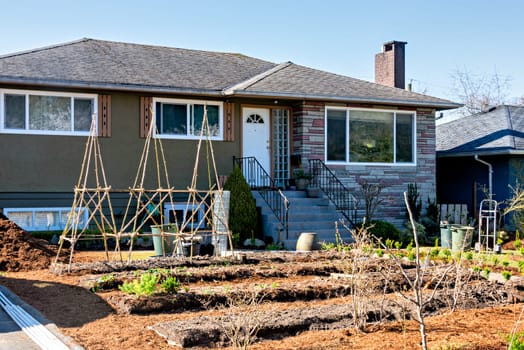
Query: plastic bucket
445 236
461 237
162 245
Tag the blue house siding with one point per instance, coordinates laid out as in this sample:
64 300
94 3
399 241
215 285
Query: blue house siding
456 178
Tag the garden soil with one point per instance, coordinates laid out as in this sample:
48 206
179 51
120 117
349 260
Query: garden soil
93 323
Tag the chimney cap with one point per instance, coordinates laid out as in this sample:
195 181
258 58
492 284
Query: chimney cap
388 45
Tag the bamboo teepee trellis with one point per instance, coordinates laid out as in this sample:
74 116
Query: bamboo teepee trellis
143 203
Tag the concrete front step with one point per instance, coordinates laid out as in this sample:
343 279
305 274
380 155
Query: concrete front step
305 215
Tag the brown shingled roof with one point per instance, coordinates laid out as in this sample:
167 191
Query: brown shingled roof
89 63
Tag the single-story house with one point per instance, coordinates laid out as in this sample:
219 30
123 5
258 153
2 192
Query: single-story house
378 132
478 150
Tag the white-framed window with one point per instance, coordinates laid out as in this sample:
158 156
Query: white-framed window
44 219
190 214
46 113
370 136
182 119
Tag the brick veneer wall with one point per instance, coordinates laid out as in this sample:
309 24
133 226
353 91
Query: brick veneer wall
308 141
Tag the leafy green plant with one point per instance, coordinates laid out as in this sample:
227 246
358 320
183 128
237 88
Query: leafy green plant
398 245
146 285
170 285
521 250
505 263
389 243
411 256
433 253
477 269
379 252
327 246
468 256
445 253
506 275
485 272
382 230
515 341
409 247
517 243
521 266
243 216
274 246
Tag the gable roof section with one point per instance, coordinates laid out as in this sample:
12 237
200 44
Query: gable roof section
96 64
497 131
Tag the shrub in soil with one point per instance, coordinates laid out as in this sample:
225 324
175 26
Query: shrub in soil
243 214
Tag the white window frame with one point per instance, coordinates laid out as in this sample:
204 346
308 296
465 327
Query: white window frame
56 227
199 222
348 136
220 105
28 93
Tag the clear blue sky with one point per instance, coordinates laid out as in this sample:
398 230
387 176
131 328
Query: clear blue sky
340 36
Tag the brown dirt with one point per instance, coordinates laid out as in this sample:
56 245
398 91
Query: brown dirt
19 251
90 320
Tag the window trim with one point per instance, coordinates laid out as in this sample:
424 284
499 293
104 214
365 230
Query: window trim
220 105
28 93
348 136
198 223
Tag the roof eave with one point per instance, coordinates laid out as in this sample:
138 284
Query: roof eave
112 87
506 152
346 99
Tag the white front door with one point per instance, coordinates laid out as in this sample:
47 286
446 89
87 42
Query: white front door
255 139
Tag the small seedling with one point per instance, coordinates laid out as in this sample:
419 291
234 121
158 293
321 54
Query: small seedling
505 263
486 272
379 252
468 256
398 245
517 244
521 266
411 256
170 285
506 275
434 252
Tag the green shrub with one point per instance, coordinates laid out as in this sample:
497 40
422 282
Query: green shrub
243 216
383 230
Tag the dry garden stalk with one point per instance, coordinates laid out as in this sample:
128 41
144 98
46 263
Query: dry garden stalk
243 318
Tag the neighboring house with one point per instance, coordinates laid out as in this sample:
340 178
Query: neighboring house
496 138
360 130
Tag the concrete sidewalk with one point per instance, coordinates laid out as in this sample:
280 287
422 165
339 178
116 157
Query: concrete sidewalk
13 338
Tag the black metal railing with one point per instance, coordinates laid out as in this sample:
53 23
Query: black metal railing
259 180
323 178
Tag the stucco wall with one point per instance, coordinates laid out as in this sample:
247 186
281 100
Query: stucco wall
41 164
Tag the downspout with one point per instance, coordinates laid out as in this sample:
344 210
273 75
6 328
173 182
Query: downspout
490 175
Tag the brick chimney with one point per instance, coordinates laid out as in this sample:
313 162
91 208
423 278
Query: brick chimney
390 65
